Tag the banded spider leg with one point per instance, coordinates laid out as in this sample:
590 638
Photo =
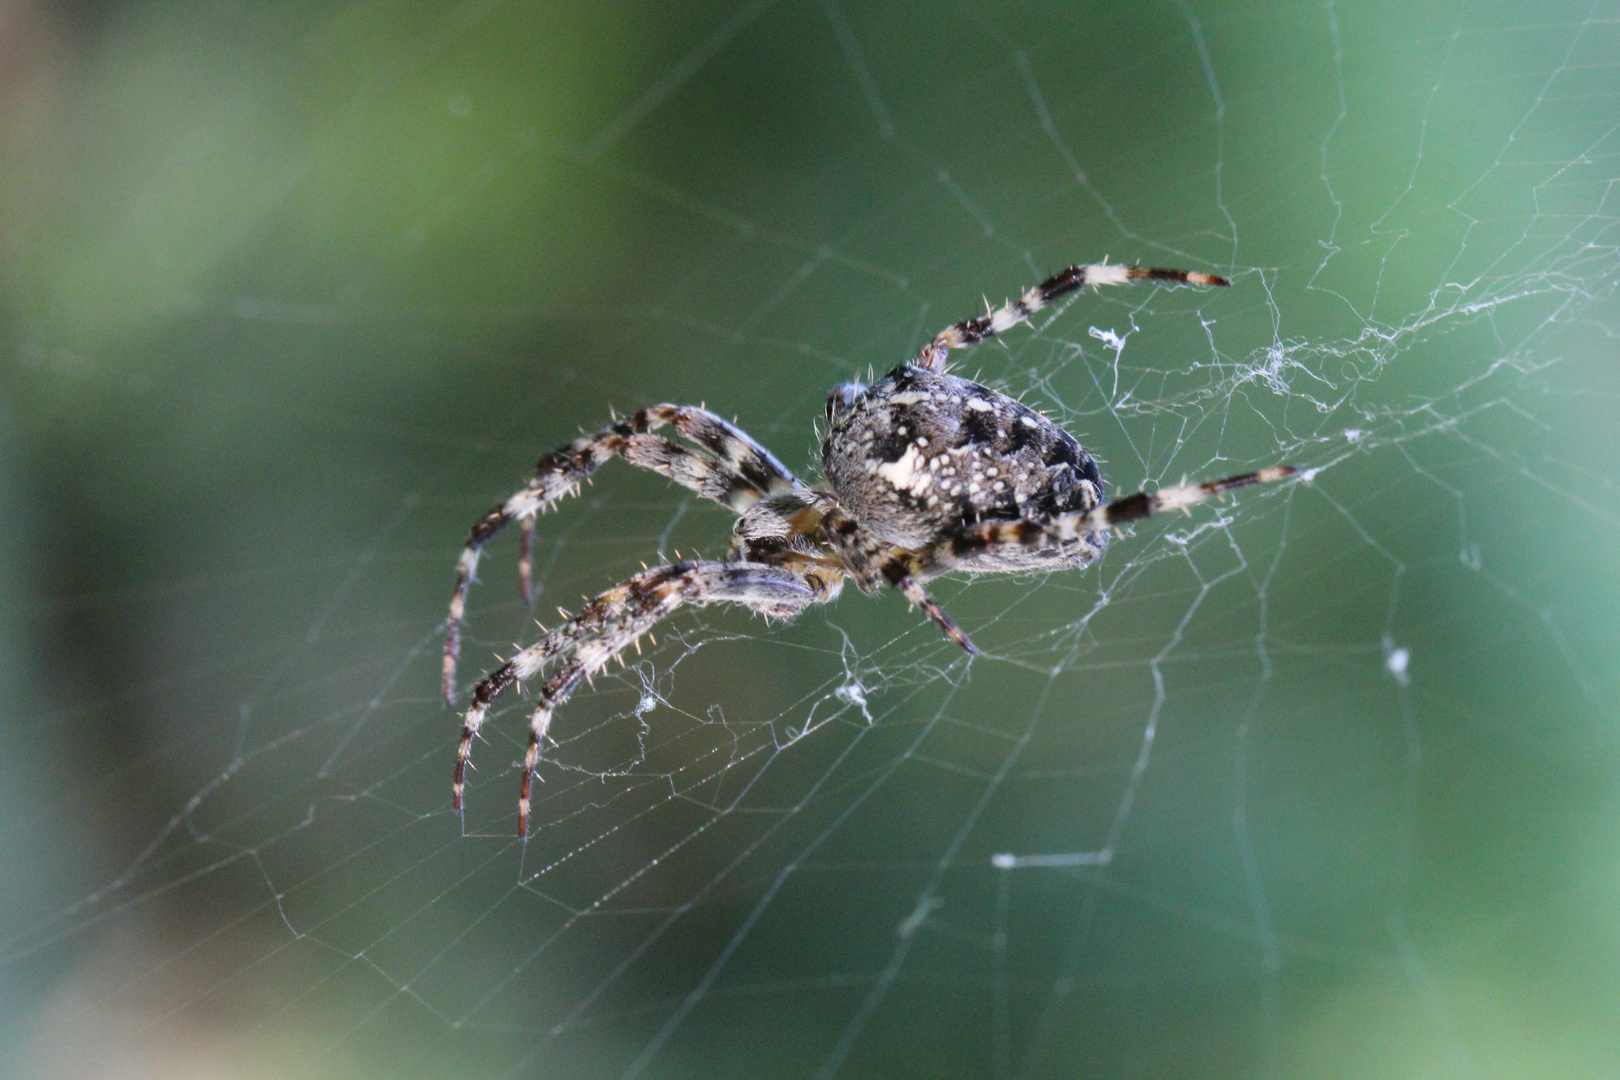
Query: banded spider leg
607 626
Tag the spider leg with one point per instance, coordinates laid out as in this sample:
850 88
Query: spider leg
901 579
972 331
865 559
726 466
611 623
1065 528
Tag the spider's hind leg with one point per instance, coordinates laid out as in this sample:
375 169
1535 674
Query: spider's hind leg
610 624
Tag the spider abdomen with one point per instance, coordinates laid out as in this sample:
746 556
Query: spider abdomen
919 456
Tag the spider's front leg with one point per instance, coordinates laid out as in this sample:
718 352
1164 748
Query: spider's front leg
610 624
725 465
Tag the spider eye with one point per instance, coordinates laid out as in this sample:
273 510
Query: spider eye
844 397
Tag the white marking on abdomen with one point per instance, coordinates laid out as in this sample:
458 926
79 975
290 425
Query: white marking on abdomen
901 473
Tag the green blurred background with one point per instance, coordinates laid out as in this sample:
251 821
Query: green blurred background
292 292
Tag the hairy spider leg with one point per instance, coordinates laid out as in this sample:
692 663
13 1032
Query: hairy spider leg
1064 528
726 466
972 331
611 623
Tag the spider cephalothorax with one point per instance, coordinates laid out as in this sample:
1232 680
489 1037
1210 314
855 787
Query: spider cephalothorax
926 473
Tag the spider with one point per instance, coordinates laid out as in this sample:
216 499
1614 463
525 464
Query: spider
925 473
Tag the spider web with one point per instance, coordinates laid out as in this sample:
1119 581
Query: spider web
1314 781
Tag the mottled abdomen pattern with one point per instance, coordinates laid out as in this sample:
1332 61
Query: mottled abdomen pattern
918 455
